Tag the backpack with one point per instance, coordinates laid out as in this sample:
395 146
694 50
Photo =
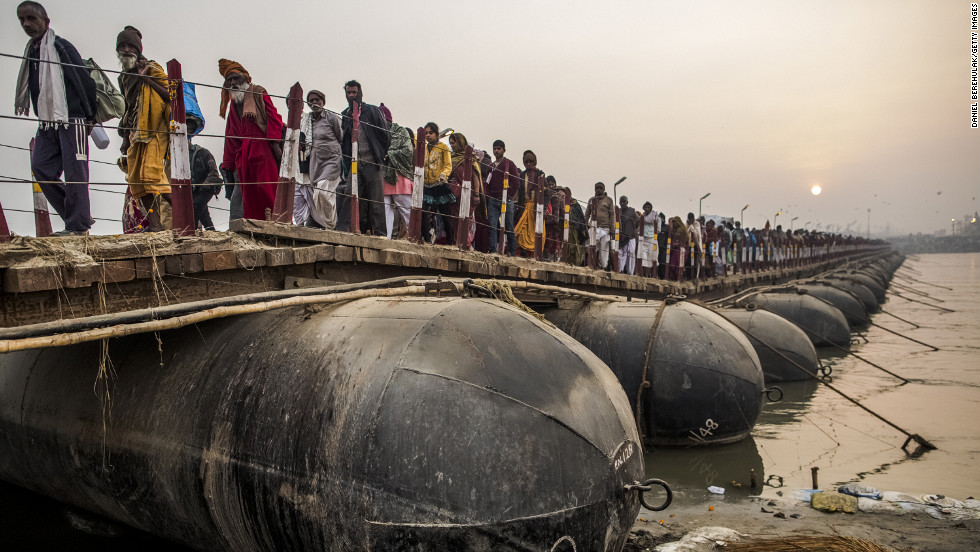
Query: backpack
110 103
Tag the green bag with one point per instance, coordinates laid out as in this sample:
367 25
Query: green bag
110 103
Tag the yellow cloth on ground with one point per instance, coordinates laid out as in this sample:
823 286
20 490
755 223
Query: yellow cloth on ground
524 229
149 146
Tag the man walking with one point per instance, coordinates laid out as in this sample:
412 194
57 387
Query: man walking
373 141
252 136
503 169
648 241
627 236
316 204
145 129
602 211
64 100
696 244
725 233
205 177
738 243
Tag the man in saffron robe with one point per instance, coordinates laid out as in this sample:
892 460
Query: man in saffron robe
252 137
532 189
145 129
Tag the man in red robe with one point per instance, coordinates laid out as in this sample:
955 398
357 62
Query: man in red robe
252 137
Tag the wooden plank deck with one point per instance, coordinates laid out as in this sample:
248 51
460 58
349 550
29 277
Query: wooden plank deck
46 279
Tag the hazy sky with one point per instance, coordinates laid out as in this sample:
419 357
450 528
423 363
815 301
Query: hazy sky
754 102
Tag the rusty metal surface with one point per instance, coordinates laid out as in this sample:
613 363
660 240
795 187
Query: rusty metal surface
782 335
866 280
850 306
423 423
706 380
823 323
860 291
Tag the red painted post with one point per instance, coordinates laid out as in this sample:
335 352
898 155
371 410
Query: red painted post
282 210
760 252
355 204
181 201
637 264
656 248
695 274
42 215
418 185
743 253
614 245
592 258
501 229
465 202
4 229
538 216
566 208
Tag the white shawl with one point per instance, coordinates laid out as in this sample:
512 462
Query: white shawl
52 103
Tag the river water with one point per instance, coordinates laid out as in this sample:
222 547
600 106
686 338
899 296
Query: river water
815 427
811 427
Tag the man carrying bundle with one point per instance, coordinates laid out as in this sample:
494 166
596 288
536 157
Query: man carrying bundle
65 102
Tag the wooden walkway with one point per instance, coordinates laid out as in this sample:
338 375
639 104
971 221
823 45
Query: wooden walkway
46 279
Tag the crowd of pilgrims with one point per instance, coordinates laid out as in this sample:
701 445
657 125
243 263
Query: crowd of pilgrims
505 206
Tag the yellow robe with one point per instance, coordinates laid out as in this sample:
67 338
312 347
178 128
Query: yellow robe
148 151
524 229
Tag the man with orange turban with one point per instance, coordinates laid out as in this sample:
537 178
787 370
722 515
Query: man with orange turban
252 137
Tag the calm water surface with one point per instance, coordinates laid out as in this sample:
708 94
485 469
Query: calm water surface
815 427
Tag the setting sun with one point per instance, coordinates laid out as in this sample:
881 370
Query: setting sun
816 189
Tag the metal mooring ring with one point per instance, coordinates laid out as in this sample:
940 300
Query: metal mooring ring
826 370
751 307
778 478
769 393
645 487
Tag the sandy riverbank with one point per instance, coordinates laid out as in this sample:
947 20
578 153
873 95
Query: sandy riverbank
789 517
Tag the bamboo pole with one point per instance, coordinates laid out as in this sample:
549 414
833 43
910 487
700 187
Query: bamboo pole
62 340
